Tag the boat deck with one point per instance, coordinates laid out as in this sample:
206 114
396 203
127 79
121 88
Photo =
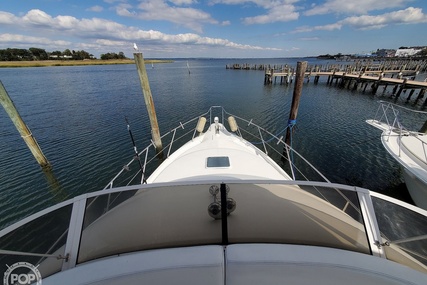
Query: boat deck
217 154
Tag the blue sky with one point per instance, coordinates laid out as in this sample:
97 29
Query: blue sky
214 28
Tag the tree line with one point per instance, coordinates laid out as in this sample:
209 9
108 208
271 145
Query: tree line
34 54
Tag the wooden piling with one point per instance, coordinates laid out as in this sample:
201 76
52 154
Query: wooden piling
342 82
316 79
299 80
22 128
145 85
377 84
366 85
394 90
402 86
410 95
421 95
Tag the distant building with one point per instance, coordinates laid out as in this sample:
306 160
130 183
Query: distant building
408 51
385 52
60 56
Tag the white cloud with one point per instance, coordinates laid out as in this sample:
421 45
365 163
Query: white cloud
66 22
114 1
183 2
99 33
123 10
7 18
309 39
266 4
409 15
96 8
276 10
354 7
330 27
24 39
279 13
37 17
160 10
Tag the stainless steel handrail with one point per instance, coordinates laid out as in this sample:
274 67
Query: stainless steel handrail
396 128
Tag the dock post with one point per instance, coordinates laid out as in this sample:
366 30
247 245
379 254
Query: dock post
366 85
148 98
358 80
22 128
299 80
421 95
402 86
342 82
385 87
394 89
410 95
376 84
349 83
332 77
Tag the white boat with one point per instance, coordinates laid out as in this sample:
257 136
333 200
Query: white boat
220 210
409 148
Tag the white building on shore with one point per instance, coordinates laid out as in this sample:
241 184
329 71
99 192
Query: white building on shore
408 51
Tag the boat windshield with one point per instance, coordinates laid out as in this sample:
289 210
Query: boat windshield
131 219
401 229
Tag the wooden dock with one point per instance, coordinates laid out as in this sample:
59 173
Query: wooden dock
351 78
359 74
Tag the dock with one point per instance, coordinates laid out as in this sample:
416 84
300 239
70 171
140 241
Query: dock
357 76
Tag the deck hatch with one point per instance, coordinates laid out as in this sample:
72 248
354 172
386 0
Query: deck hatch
218 161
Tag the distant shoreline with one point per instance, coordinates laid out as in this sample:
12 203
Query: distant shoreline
45 63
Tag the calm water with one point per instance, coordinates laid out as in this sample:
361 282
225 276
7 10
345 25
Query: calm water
77 116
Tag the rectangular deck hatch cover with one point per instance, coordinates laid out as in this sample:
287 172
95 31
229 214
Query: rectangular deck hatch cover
218 161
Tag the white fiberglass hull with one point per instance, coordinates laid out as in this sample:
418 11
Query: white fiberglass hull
416 188
232 158
409 149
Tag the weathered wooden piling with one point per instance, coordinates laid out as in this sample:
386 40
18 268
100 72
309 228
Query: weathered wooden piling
299 81
22 128
402 86
410 95
145 85
377 84
316 79
421 95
